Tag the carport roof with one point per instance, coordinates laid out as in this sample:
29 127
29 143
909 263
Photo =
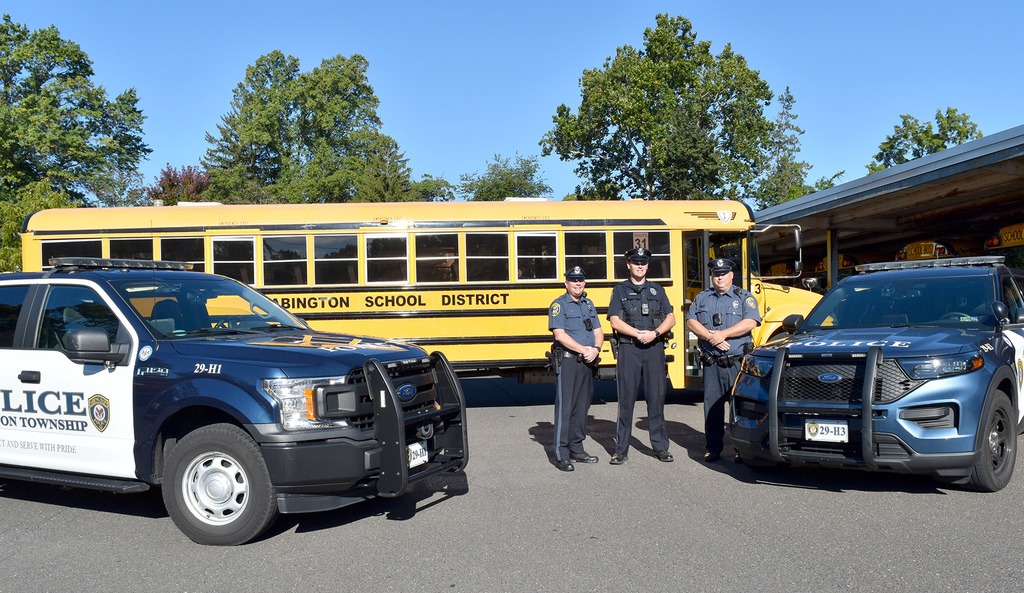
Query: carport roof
964 193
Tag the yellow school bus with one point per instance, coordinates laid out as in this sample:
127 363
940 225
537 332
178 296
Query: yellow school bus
473 279
1009 242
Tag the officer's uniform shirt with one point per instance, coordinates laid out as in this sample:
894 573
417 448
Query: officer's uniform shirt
628 300
734 305
571 316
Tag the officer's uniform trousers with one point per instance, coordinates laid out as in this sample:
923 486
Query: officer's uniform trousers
718 383
573 393
635 363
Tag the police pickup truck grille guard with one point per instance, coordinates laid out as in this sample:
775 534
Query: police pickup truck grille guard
436 415
794 379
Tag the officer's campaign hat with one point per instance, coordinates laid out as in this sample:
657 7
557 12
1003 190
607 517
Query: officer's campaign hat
575 273
721 266
639 255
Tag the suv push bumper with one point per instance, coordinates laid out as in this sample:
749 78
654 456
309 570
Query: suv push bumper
771 438
329 474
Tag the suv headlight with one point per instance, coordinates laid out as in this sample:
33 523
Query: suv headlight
757 366
941 366
297 400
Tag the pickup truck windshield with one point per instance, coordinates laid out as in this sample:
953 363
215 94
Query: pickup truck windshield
200 305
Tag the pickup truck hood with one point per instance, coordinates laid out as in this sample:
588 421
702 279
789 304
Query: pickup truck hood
296 353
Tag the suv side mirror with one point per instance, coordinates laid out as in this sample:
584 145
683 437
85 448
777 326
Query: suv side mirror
1001 311
92 345
792 322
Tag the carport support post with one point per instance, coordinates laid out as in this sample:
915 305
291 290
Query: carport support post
832 242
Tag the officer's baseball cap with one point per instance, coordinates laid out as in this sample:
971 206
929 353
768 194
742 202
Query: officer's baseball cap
721 266
639 255
576 273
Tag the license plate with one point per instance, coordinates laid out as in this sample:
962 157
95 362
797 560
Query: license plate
417 453
832 431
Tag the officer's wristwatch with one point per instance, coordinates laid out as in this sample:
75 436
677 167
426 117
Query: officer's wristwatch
657 334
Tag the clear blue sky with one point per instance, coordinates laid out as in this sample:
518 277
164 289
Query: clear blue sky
461 81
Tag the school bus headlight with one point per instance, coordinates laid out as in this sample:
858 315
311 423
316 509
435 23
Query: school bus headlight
297 402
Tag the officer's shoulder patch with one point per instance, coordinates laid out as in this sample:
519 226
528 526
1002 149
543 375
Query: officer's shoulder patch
751 302
555 309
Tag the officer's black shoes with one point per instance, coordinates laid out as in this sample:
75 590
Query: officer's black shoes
565 465
664 456
583 457
712 457
618 459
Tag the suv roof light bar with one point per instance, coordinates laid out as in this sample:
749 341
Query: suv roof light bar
985 260
94 263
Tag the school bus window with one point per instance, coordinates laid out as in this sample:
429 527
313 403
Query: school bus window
336 259
131 248
387 259
184 249
587 250
52 249
11 298
437 258
284 260
656 241
487 257
235 258
535 256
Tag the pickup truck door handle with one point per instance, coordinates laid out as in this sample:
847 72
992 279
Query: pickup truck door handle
29 376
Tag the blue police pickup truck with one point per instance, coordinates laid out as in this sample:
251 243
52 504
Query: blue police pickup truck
119 375
912 367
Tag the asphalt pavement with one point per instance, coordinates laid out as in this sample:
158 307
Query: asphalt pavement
513 522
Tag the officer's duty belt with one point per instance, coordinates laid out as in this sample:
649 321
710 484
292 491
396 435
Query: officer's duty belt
722 361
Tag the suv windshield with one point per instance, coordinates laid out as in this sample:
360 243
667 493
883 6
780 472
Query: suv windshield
887 301
197 305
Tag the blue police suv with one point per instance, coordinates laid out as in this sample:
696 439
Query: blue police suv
912 367
120 375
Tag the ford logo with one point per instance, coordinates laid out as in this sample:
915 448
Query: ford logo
406 391
829 378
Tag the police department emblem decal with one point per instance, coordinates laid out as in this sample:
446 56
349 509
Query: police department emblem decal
812 429
99 412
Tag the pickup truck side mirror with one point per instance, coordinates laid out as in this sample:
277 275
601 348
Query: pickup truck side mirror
92 345
792 322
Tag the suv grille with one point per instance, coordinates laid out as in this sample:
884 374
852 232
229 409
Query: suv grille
801 381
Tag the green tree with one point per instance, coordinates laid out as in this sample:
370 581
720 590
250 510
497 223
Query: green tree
505 179
384 175
187 184
668 121
913 139
38 195
294 136
784 178
55 124
433 189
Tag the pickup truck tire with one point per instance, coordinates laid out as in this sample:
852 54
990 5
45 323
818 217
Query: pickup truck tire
994 467
217 488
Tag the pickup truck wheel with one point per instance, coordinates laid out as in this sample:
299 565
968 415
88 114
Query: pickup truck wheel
217 488
994 467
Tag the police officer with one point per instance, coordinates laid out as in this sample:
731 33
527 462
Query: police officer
722 318
573 322
640 315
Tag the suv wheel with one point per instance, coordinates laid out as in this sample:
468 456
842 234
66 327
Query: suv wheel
994 467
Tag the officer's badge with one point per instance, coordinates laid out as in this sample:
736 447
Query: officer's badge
720 263
641 252
555 309
99 412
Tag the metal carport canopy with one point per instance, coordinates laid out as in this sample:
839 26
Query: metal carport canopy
964 193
